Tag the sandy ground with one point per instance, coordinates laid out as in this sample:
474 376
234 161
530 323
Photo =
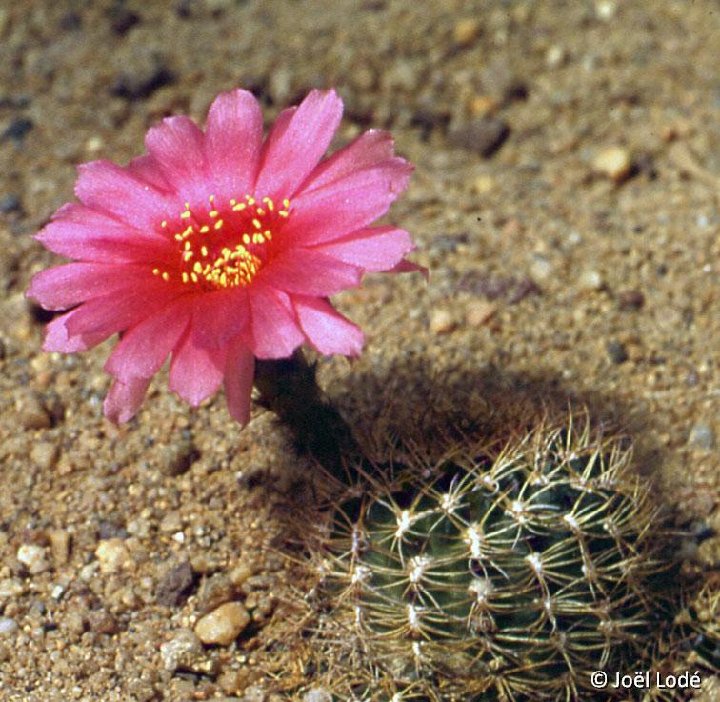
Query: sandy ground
565 200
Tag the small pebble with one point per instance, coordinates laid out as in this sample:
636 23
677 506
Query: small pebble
57 592
176 585
591 280
216 590
34 558
280 84
183 645
223 625
7 626
254 693
111 528
122 19
44 454
605 9
318 695
112 555
171 522
59 546
102 622
541 269
466 31
483 105
149 75
9 587
701 437
75 623
441 322
230 681
176 459
630 300
555 56
31 412
483 136
483 184
10 203
479 312
240 573
17 130
615 163
616 352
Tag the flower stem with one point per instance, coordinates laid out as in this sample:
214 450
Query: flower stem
288 387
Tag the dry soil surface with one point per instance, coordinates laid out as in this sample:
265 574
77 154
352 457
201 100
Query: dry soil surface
565 200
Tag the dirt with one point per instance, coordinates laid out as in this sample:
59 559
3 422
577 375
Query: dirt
565 200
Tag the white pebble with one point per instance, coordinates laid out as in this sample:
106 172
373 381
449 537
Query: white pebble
441 322
7 626
555 56
183 643
34 558
615 163
113 555
223 625
591 280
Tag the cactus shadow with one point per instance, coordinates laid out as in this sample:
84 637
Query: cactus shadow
433 408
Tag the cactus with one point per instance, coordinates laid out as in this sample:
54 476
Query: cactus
507 575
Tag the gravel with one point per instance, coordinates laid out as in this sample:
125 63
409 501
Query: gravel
502 108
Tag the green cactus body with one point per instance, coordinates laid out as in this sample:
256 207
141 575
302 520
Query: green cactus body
507 577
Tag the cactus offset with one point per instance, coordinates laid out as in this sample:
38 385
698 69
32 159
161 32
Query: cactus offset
509 576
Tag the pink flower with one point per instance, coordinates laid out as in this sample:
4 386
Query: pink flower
219 247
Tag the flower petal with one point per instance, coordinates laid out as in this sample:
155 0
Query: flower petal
296 144
148 169
108 314
57 337
233 138
109 188
406 266
220 316
142 351
326 329
177 144
124 399
84 234
196 372
369 149
239 368
101 317
62 287
347 204
309 272
275 332
373 249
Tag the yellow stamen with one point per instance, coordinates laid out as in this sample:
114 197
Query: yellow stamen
228 242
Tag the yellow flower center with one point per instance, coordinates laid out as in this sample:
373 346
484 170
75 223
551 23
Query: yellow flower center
226 245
